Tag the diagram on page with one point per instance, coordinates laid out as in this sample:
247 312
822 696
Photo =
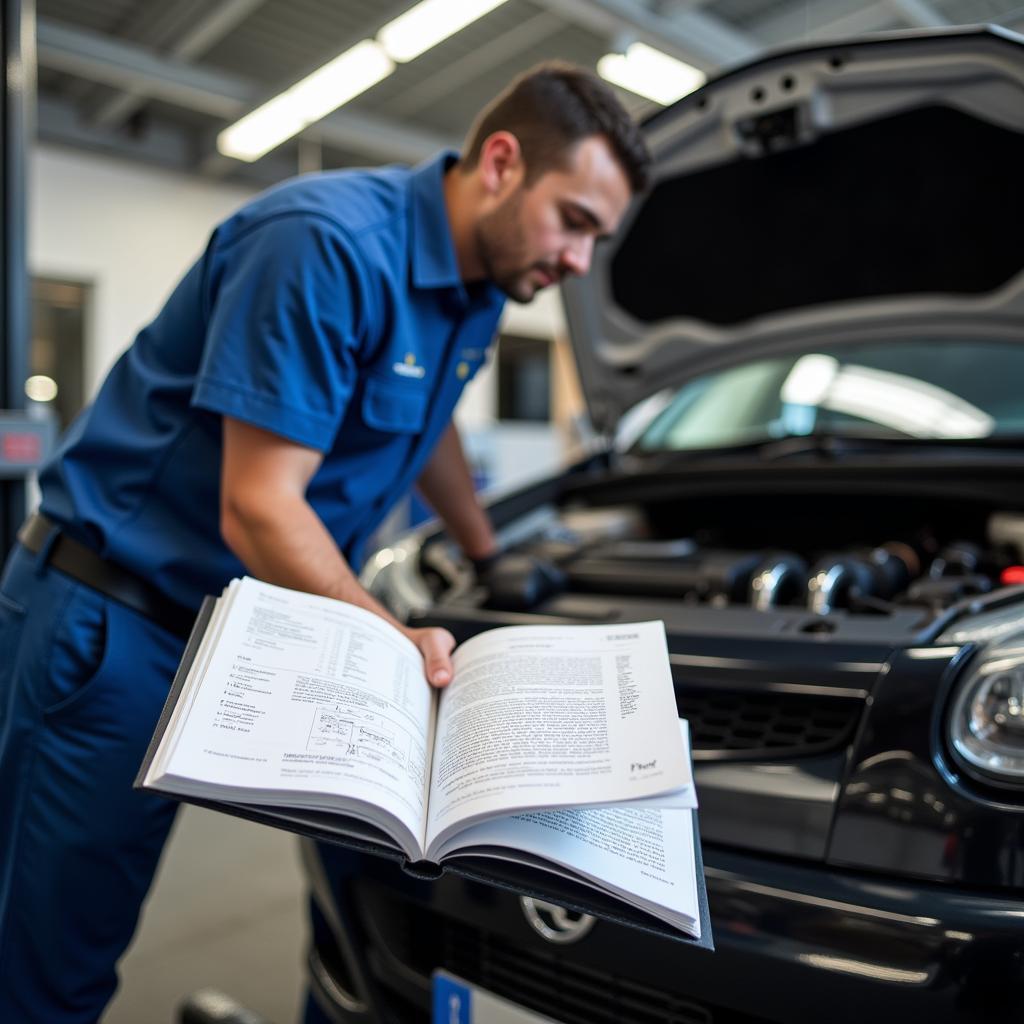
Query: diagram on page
367 737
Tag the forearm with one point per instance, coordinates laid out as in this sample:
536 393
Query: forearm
267 522
447 484
280 539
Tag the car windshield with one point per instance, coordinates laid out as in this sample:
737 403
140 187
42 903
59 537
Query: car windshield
955 390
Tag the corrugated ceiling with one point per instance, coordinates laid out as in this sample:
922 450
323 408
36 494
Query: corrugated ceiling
265 45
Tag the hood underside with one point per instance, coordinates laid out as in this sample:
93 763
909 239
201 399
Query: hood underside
840 193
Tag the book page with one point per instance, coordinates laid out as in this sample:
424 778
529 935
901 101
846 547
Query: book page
646 856
683 799
554 716
301 697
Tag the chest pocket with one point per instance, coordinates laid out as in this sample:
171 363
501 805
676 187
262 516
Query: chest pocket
394 405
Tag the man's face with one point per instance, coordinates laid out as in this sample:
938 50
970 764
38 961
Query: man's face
539 234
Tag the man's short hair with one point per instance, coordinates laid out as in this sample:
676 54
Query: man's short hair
551 108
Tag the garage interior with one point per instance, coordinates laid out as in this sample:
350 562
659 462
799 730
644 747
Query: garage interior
123 176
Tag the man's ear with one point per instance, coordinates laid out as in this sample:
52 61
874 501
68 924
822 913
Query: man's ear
501 163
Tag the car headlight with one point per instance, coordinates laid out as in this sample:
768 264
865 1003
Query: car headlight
986 722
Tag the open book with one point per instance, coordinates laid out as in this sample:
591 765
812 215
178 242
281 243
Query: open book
554 747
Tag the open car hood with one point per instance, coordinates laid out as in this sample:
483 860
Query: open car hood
832 193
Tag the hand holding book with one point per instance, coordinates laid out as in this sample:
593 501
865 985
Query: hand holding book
299 702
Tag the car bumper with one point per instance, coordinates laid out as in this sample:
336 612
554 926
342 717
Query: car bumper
793 943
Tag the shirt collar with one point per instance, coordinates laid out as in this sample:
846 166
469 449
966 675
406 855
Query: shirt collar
433 252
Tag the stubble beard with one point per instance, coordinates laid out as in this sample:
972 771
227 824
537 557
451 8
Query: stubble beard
502 250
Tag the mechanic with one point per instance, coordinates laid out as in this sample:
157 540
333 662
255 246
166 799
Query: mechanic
298 381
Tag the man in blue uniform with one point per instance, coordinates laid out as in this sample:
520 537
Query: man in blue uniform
299 380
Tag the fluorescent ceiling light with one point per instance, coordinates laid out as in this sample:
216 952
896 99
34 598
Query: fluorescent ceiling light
427 23
307 101
650 73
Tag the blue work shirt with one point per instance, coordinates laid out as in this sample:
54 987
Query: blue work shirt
329 311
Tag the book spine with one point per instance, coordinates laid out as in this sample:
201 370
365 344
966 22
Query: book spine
425 870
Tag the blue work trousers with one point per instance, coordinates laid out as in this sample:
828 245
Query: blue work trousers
82 683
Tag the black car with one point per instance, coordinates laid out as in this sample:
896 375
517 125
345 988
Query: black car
821 305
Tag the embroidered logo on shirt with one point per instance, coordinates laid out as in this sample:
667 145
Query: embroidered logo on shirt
469 355
409 367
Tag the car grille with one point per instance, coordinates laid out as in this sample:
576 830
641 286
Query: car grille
735 724
550 983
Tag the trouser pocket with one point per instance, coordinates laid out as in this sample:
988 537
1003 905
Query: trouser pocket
79 647
12 620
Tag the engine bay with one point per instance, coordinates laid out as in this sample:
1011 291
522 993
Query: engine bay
852 565
798 603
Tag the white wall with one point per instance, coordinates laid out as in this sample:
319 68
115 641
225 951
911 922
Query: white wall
128 231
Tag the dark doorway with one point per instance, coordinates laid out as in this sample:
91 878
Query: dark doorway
524 378
57 353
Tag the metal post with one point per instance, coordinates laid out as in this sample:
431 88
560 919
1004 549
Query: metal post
17 43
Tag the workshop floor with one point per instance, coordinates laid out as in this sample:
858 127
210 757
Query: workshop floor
227 911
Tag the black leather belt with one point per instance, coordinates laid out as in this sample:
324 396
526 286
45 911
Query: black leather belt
83 564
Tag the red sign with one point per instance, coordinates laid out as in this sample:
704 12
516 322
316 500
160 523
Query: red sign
26 448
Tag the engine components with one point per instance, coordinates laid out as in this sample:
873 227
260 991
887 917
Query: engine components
705 575
518 582
861 581
855 580
835 579
778 580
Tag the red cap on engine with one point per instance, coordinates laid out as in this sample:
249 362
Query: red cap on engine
1012 575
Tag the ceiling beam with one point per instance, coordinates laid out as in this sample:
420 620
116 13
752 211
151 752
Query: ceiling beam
801 22
170 147
218 21
696 37
726 45
378 137
58 120
98 59
477 62
919 14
